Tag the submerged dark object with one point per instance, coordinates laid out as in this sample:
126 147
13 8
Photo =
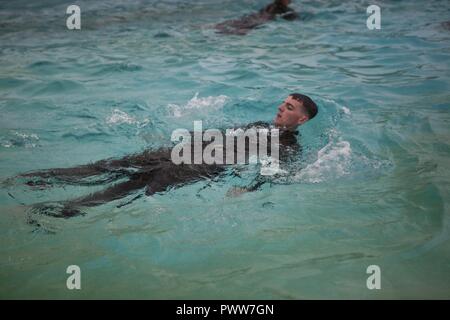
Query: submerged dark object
246 23
446 25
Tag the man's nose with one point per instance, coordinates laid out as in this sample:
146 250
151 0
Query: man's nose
280 108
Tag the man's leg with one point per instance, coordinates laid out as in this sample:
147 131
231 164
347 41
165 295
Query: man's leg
121 167
80 171
72 208
115 192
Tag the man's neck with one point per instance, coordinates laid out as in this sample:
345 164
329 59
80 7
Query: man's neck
289 129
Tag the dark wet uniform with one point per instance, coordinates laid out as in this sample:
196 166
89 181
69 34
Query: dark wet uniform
153 170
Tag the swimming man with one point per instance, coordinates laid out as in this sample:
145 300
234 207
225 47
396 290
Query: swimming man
154 170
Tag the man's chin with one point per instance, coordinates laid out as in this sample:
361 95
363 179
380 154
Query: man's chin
277 123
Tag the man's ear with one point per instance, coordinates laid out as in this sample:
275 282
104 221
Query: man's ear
302 120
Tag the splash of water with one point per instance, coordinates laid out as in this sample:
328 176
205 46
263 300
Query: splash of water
333 161
196 103
120 117
20 139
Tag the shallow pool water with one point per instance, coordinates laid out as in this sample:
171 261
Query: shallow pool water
371 186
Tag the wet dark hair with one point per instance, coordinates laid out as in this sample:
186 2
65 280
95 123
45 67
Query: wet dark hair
309 105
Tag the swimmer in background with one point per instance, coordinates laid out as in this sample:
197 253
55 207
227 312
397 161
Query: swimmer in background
154 170
243 25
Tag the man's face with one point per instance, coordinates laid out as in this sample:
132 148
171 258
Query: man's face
290 114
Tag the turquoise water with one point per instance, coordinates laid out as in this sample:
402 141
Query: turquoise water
371 187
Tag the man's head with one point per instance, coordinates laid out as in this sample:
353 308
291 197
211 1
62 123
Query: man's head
295 110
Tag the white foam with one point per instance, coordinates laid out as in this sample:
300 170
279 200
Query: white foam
21 139
196 103
120 117
346 110
333 161
271 166
25 136
143 123
6 144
